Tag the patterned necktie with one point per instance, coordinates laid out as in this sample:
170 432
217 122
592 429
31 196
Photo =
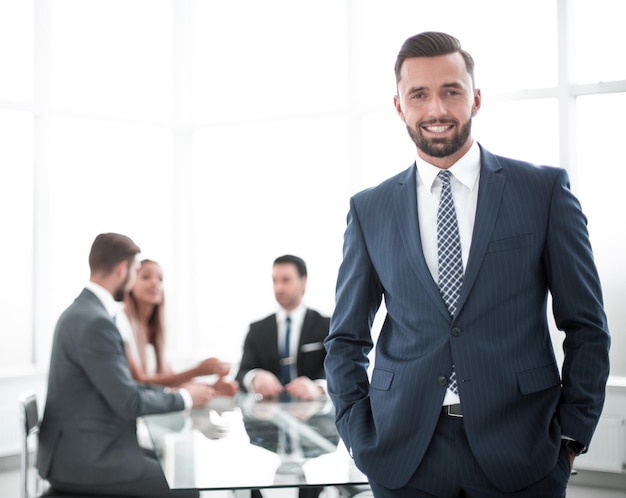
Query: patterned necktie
449 255
285 360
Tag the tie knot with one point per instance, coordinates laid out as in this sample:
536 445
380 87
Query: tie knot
444 176
288 320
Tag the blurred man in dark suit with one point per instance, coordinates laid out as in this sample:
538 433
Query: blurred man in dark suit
284 352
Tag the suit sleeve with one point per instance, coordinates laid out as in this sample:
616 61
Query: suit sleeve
104 362
578 311
358 297
311 353
249 359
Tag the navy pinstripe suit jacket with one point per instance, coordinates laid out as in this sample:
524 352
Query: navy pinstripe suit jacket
530 239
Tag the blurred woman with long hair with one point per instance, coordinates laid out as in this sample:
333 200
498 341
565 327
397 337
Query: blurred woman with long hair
143 330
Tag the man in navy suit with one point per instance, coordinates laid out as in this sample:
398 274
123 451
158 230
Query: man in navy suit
512 424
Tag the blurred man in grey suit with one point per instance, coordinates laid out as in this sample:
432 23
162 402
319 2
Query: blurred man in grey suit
87 441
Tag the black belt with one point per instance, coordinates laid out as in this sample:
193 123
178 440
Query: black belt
452 411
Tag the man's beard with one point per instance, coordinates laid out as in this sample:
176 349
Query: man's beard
440 147
121 292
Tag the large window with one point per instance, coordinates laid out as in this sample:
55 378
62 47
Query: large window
222 134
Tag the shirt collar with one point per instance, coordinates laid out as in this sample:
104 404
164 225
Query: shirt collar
110 305
297 314
466 170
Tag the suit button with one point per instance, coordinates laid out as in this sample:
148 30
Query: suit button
442 380
456 331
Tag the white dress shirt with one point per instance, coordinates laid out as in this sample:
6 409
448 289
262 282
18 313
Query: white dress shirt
464 180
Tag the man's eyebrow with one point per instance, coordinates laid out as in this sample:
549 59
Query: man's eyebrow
453 84
416 89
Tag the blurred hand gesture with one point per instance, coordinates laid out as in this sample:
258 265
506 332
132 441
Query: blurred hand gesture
304 388
200 393
213 366
225 387
266 384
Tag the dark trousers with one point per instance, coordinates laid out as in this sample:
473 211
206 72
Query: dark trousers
449 470
310 492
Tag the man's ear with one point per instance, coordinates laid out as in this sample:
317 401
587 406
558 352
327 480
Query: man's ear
303 284
121 269
398 105
477 102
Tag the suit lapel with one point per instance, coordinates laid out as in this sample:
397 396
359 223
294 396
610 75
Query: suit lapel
304 331
306 326
489 197
405 205
272 338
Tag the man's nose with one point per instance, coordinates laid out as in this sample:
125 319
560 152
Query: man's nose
437 107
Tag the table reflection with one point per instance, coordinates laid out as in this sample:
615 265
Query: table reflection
243 443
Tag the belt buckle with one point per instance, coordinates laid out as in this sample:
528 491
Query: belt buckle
452 414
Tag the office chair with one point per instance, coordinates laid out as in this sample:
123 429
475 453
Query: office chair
30 482
33 486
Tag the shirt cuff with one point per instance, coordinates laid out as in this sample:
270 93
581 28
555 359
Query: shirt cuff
186 398
248 378
323 384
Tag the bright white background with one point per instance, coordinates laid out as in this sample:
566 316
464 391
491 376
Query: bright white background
221 134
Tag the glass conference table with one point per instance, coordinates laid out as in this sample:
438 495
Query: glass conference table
243 443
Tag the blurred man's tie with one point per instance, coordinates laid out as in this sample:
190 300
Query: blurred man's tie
285 359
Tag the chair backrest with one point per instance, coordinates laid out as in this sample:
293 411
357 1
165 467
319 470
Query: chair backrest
28 403
29 423
33 486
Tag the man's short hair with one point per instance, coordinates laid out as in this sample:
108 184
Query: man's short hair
109 249
295 260
432 44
